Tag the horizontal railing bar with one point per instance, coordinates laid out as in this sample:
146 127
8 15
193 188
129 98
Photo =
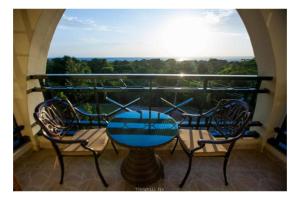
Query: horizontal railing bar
151 76
171 89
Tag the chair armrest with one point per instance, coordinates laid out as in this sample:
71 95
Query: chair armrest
84 142
190 115
190 118
89 114
61 141
209 113
255 123
205 115
198 117
203 142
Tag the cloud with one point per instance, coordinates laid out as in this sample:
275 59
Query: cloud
205 21
70 22
214 17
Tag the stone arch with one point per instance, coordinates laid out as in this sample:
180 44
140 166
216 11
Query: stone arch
267 32
33 31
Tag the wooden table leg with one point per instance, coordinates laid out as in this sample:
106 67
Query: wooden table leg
142 167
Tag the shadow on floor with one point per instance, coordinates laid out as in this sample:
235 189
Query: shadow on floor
248 170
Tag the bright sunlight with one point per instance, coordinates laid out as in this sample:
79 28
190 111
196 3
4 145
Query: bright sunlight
186 37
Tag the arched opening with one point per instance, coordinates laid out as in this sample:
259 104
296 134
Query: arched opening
151 42
33 31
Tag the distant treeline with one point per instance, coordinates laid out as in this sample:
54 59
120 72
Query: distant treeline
68 64
72 65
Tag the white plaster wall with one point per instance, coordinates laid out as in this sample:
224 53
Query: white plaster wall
267 31
33 31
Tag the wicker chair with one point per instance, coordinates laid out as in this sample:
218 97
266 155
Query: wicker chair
229 118
57 118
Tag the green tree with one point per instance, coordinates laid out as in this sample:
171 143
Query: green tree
214 65
97 65
76 67
202 67
57 65
122 67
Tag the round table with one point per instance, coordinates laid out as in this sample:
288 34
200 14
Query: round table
141 132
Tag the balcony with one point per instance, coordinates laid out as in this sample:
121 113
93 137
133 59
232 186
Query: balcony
254 164
249 168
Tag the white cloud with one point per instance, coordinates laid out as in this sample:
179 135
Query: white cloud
214 17
70 22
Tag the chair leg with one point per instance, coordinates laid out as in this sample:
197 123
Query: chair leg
114 146
225 169
62 169
61 162
98 170
187 172
172 151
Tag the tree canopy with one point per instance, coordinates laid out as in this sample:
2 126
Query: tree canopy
72 65
69 64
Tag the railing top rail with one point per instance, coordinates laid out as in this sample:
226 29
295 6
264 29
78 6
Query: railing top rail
151 76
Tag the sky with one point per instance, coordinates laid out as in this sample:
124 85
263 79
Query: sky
150 33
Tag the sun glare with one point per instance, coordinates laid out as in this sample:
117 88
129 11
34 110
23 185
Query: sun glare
185 37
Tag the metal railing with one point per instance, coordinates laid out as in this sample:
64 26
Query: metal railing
203 84
150 77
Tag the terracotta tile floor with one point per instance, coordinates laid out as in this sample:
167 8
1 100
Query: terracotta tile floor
248 170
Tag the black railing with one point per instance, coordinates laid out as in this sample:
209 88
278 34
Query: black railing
18 138
204 89
279 141
150 77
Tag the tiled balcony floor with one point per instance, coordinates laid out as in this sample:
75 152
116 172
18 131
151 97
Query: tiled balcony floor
248 170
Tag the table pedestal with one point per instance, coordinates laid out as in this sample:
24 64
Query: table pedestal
142 167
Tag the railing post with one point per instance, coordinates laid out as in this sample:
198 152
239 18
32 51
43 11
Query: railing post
205 102
205 84
42 85
175 96
97 102
150 98
105 92
198 122
254 95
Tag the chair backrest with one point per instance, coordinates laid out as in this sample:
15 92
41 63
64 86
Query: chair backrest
231 117
56 116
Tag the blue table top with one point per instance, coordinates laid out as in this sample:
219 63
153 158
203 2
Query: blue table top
139 129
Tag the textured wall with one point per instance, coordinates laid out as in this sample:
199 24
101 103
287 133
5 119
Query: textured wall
33 31
267 31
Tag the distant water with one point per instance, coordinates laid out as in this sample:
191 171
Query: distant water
112 59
